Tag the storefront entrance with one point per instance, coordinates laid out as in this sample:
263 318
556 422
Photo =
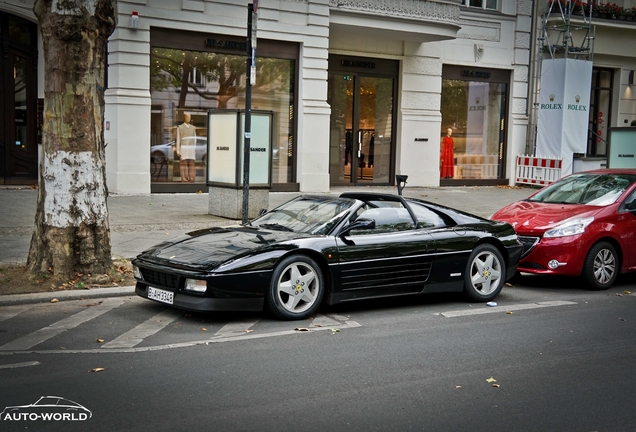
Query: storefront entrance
361 143
18 138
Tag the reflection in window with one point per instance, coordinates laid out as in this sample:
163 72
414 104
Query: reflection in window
20 102
475 112
189 83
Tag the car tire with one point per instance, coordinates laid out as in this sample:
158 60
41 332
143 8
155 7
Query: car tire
601 266
158 158
296 289
485 273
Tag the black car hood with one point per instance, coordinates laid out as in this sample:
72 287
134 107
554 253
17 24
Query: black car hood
212 246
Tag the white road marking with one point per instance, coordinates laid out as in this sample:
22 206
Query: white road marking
12 311
235 328
504 308
19 365
46 333
137 334
325 321
218 339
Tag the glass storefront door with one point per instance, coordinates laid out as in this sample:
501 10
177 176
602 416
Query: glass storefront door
18 139
361 131
473 136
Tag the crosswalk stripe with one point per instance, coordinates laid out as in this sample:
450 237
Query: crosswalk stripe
11 312
46 333
235 328
149 327
504 308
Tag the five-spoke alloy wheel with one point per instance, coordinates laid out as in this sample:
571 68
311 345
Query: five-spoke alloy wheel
485 273
296 289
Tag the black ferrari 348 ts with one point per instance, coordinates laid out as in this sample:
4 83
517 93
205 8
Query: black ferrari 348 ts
316 249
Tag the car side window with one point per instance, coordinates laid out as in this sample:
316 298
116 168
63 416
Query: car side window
426 218
387 220
630 202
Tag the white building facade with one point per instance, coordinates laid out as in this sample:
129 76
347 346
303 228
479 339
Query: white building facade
613 83
359 90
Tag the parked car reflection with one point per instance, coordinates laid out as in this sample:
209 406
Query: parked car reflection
162 153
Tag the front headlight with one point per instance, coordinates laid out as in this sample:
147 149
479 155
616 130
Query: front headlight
137 273
196 285
569 227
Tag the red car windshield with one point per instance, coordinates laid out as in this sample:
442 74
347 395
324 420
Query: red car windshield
586 188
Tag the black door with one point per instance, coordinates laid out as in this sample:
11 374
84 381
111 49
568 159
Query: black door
18 93
394 258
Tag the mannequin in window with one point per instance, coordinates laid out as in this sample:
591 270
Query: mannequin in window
447 156
186 146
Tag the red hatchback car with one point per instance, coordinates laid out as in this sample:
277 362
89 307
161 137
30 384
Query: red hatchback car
581 225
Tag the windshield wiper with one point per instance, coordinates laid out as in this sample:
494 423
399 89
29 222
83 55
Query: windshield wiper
276 227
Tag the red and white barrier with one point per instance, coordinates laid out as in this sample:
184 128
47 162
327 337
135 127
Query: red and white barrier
538 171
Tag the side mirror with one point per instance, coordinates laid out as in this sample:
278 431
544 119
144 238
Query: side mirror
358 224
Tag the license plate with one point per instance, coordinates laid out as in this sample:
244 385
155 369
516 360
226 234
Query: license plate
160 295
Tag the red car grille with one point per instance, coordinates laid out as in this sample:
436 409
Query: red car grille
528 244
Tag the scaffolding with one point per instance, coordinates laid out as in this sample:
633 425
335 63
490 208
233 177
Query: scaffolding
566 32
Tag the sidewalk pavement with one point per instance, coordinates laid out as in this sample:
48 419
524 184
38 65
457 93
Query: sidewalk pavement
137 222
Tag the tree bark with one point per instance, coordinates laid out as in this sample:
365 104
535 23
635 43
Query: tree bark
71 232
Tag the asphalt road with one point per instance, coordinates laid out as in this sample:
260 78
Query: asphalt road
562 358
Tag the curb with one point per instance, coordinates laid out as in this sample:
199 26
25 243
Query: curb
20 299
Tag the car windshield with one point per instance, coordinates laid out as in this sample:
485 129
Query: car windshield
310 215
585 188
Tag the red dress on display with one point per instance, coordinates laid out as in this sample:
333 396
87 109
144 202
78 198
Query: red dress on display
448 158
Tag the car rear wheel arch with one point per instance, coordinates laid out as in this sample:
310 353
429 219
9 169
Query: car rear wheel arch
500 247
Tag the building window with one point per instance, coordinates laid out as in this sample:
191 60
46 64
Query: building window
482 4
474 106
600 111
185 84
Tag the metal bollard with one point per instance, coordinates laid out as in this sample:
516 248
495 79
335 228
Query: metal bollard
400 181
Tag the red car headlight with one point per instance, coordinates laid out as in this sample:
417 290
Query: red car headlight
569 227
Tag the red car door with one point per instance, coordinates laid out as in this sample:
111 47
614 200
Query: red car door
628 229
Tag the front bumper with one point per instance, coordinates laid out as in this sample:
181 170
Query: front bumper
198 303
569 252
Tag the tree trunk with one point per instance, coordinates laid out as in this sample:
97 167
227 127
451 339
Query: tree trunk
71 233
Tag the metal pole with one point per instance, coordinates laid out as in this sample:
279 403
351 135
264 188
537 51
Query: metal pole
248 116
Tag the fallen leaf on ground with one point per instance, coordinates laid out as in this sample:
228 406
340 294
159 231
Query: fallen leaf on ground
98 369
249 331
491 380
317 325
204 329
622 319
508 284
54 300
509 312
301 329
335 330
496 385
98 340
627 292
458 386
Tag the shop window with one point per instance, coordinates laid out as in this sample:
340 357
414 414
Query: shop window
473 116
600 111
186 84
482 4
